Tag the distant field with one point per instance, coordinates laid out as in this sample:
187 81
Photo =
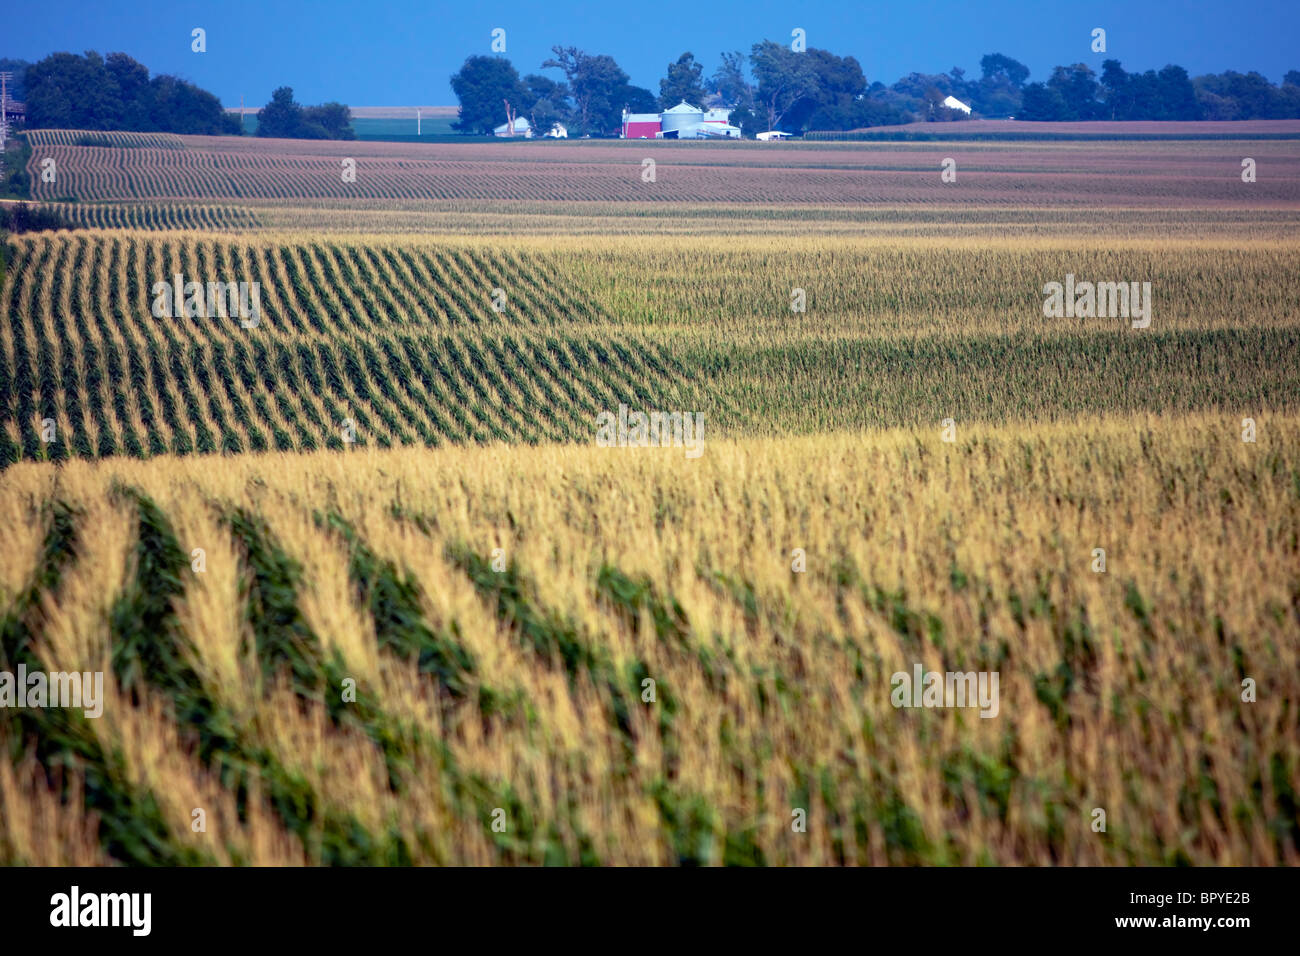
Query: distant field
383 127
1011 130
388 122
1152 174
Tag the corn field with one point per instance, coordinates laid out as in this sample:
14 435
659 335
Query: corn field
525 689
363 581
402 339
1149 174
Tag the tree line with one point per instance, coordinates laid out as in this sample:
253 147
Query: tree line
776 87
115 92
771 87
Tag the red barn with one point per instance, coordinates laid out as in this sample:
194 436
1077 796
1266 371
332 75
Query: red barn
640 125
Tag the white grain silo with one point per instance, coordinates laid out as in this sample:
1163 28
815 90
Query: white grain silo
680 117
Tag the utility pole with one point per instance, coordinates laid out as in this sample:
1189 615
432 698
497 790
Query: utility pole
5 77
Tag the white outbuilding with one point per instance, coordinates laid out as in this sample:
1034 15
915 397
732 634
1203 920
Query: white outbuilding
522 128
710 131
955 104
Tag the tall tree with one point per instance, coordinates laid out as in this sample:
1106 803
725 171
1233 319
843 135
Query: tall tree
683 83
547 101
284 118
995 66
1043 103
834 81
998 92
66 91
483 85
1117 92
138 97
637 99
608 91
1078 88
784 78
281 118
568 59
327 121
1178 95
599 88
731 83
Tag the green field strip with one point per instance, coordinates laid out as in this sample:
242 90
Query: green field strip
575 372
358 380
277 337
245 372
280 307
579 403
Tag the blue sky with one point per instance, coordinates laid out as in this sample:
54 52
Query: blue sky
401 52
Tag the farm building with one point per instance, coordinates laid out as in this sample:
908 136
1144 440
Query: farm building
710 131
641 125
680 117
955 104
521 128
683 121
